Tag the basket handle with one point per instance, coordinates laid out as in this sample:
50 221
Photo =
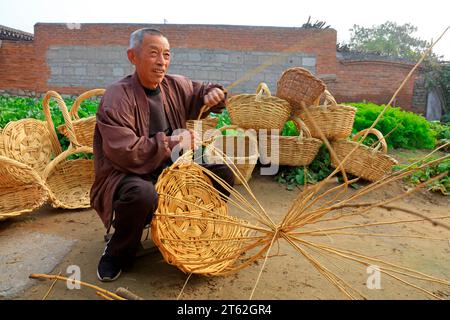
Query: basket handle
85 95
381 141
262 88
51 127
329 99
206 108
71 150
301 127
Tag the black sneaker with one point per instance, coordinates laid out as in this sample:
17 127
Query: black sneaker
108 268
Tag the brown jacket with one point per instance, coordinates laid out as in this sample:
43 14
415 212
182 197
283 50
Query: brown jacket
121 138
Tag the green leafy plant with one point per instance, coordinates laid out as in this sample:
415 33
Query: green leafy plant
441 185
409 130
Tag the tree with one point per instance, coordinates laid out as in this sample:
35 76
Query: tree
388 39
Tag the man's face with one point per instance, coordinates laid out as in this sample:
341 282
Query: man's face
151 59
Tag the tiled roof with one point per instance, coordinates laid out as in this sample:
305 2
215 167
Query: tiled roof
7 33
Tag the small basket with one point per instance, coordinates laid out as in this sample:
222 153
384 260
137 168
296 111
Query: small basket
291 151
191 226
334 120
205 124
29 141
21 188
365 162
256 111
298 85
69 181
84 127
240 152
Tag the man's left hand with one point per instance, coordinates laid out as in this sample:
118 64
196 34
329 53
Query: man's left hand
214 97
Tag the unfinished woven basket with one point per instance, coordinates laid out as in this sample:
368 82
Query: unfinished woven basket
241 152
299 85
21 188
29 141
191 226
69 181
84 127
365 162
334 120
288 150
258 111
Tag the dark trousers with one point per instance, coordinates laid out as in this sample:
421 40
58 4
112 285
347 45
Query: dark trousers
134 203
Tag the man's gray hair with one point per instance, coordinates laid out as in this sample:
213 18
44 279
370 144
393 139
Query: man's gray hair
138 35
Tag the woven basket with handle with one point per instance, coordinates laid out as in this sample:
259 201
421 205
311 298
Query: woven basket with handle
205 124
365 162
191 226
290 151
258 111
21 188
334 120
299 85
69 180
83 127
241 152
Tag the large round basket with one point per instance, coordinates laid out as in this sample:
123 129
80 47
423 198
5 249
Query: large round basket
83 127
299 85
239 152
258 111
365 162
288 150
70 180
191 226
29 141
335 121
21 188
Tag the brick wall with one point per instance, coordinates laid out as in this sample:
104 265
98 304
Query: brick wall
73 58
374 81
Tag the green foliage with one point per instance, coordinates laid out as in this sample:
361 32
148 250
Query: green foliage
290 129
388 39
412 131
441 185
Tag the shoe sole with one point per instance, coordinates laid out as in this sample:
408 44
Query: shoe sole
107 279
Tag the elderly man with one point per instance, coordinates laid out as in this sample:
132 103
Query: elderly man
133 142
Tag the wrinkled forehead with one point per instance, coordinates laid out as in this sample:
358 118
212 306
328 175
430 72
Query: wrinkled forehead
156 41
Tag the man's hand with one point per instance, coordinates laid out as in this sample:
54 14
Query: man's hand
187 139
214 97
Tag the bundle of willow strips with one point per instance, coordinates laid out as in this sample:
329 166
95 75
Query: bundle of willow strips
194 231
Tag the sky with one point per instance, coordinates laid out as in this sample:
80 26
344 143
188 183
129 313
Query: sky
431 17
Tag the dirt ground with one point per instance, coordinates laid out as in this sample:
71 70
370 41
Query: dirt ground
287 275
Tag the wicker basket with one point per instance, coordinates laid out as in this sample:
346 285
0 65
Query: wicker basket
241 153
205 124
84 127
69 181
365 162
256 111
191 226
2 145
298 85
21 188
29 141
290 151
335 121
